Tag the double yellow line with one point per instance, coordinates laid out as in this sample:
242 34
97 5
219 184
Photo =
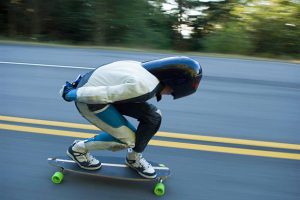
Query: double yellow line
154 142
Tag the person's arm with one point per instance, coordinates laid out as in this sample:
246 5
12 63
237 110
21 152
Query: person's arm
109 94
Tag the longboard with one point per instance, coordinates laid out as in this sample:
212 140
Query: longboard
112 167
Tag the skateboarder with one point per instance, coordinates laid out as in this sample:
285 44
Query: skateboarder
105 94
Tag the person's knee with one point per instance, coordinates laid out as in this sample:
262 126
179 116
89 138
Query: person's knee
153 117
157 117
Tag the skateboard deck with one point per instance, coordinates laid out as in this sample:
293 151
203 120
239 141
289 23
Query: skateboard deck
112 167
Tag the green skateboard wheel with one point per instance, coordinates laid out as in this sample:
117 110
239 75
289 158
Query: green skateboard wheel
57 177
159 189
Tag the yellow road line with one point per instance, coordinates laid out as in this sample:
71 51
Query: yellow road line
161 134
180 145
231 140
230 150
45 131
48 123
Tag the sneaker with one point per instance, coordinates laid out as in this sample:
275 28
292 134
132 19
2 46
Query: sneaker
138 163
81 156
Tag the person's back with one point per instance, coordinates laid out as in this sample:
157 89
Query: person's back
116 82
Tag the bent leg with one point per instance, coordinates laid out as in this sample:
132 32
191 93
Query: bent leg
121 132
148 116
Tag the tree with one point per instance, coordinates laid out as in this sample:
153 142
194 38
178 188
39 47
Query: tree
134 23
214 15
276 27
231 38
273 25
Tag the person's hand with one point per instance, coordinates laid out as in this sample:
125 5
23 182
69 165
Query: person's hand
68 92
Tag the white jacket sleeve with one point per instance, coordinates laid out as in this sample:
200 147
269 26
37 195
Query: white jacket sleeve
109 94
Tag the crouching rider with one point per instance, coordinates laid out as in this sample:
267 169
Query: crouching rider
105 95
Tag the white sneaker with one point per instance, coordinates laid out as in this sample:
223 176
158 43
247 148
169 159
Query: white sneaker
84 159
138 163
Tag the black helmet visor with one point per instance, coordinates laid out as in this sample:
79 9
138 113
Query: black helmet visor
189 87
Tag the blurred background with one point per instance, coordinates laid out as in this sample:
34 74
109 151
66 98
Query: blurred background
268 28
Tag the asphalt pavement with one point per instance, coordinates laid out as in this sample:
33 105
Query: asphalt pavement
246 100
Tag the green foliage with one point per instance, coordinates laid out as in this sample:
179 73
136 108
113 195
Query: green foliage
276 27
276 37
226 26
133 23
71 20
231 39
272 25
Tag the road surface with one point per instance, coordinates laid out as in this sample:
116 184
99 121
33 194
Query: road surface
236 138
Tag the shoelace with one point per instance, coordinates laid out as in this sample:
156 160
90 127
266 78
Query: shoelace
90 158
144 163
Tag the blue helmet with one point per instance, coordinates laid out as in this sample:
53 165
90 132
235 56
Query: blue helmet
182 74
